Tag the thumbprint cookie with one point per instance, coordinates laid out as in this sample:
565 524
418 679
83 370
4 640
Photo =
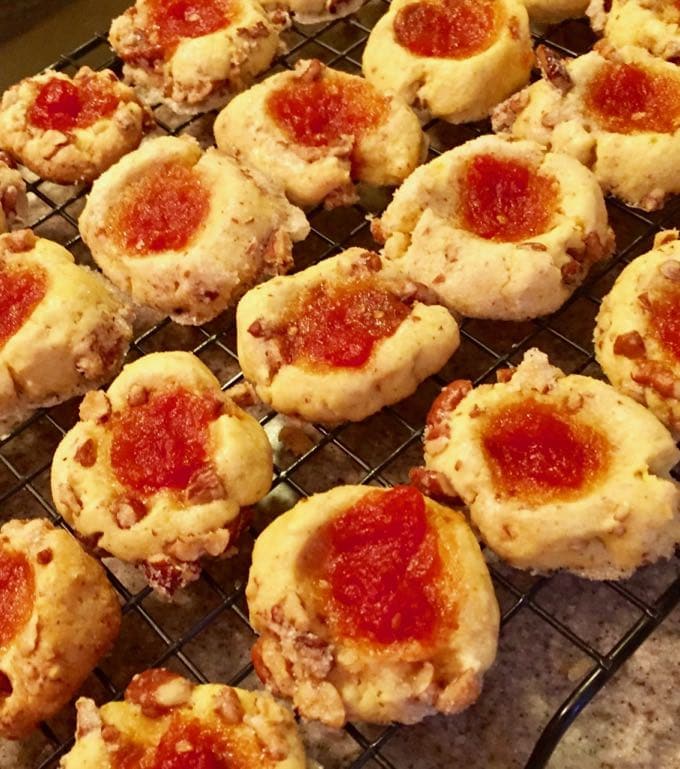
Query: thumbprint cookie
13 202
160 468
312 11
498 229
372 604
70 130
63 328
315 131
186 232
559 472
192 55
59 616
637 335
554 11
341 339
617 112
454 59
167 722
650 24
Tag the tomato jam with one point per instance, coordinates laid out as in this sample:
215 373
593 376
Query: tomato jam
21 290
162 444
319 112
63 105
173 20
381 562
505 200
626 98
161 209
449 29
339 326
17 593
663 312
539 452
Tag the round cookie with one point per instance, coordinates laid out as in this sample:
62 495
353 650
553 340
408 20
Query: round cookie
167 721
636 335
455 59
341 339
186 232
559 472
650 24
193 56
313 11
498 229
59 616
63 328
372 604
70 130
554 11
160 468
315 131
617 112
13 201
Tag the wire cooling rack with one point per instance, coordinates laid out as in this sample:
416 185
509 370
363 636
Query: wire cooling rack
562 638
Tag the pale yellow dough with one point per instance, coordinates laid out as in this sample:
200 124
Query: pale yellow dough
175 528
421 345
202 72
629 517
309 175
81 154
74 621
456 90
485 278
313 11
650 24
641 367
554 11
641 168
74 340
248 233
251 721
335 679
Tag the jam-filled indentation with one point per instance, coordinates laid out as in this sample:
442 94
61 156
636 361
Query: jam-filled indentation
175 20
17 593
21 291
64 105
663 312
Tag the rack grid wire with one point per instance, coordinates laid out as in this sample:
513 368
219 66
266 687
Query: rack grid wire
206 635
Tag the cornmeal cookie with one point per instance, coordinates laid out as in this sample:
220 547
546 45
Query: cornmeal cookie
191 55
13 202
637 336
315 131
341 339
650 24
186 232
498 229
167 721
68 129
617 112
313 11
559 472
160 467
63 328
372 604
455 59
554 11
59 616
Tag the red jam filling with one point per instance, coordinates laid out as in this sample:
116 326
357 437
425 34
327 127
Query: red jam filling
664 317
505 200
17 593
339 326
188 744
381 561
538 451
162 444
161 209
63 105
317 113
173 20
21 290
449 29
626 98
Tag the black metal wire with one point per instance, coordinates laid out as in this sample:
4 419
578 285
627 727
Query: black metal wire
24 489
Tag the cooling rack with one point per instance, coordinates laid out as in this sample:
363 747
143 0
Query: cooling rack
562 638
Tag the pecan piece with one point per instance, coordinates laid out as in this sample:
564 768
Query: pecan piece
95 407
228 705
86 454
128 510
443 405
205 486
166 577
553 69
649 373
158 691
671 270
630 345
19 241
433 484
